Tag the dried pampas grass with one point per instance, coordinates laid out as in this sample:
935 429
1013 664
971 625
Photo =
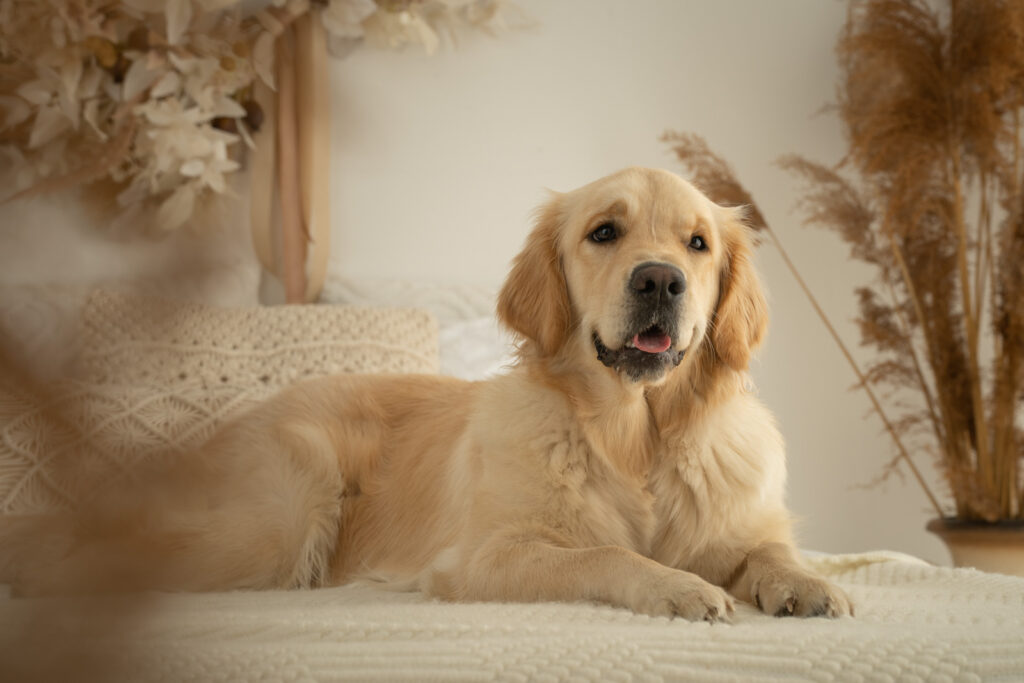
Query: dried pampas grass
930 195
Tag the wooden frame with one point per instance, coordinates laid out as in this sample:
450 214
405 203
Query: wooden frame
290 185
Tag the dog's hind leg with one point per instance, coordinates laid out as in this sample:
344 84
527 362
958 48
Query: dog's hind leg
258 507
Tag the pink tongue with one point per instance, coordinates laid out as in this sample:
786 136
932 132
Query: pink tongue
652 343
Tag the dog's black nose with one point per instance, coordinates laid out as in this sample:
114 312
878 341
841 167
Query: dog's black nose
657 281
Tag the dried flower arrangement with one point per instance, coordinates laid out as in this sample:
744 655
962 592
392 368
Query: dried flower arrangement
931 104
154 96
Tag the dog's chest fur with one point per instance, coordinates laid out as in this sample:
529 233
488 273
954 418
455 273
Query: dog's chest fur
605 476
681 499
717 488
609 499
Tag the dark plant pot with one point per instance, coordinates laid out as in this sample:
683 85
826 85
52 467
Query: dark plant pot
996 547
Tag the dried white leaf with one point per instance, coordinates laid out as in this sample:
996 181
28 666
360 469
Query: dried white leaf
17 110
270 23
263 59
205 97
70 107
243 131
138 79
220 151
296 8
50 122
344 18
111 89
192 168
182 64
160 115
175 211
90 83
37 92
228 107
90 112
178 14
71 76
215 181
169 84
426 35
342 47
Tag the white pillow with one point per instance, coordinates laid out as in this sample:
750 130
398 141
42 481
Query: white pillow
473 345
475 349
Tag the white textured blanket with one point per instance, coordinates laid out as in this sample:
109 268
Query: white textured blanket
914 622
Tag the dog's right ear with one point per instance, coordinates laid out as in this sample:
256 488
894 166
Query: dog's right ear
534 301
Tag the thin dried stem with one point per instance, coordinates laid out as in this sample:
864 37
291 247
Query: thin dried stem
954 453
857 371
986 469
938 425
982 250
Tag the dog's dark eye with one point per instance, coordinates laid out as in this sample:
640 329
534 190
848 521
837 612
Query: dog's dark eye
605 232
697 243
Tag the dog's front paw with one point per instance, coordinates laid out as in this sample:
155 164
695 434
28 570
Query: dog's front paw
801 594
680 594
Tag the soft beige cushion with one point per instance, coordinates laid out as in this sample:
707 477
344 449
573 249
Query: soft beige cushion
132 340
156 378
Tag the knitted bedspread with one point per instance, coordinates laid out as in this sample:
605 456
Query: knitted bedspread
913 622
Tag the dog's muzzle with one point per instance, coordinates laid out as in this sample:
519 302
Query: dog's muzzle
655 295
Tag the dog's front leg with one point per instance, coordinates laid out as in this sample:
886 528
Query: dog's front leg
536 569
772 578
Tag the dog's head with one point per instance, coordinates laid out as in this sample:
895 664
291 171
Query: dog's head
640 269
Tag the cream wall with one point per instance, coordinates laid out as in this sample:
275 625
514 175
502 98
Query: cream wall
438 162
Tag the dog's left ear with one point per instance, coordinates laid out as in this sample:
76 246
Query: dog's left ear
741 317
534 301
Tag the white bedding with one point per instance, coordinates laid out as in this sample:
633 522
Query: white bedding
913 622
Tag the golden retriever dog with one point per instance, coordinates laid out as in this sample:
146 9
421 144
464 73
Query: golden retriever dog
622 459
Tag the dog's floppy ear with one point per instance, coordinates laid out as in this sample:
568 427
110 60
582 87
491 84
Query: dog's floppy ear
741 317
534 301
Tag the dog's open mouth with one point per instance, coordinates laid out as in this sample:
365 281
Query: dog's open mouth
646 355
651 340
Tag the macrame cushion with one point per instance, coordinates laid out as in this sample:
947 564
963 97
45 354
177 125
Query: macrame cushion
158 378
136 340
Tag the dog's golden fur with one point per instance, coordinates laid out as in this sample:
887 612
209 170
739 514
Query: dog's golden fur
652 481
